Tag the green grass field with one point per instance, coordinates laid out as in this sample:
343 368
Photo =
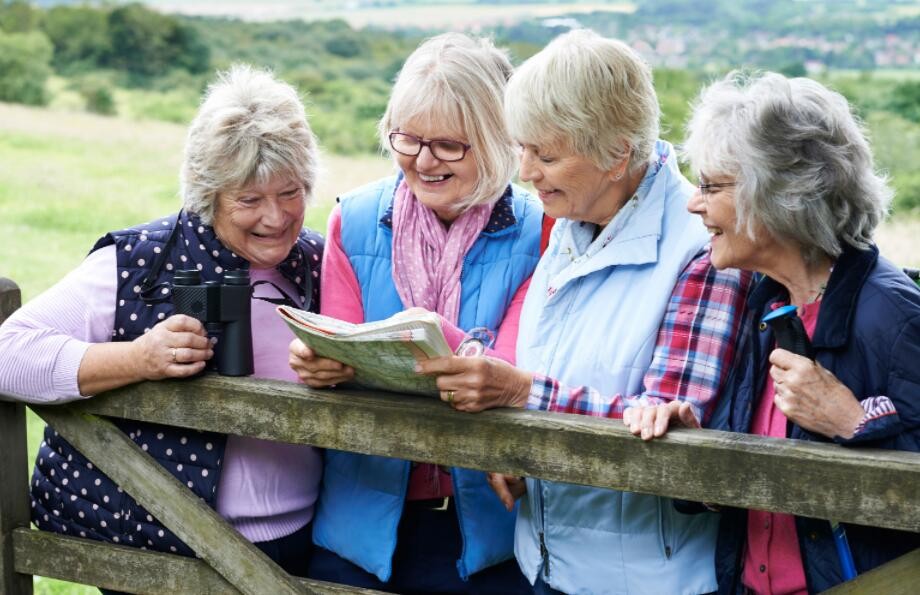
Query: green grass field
66 178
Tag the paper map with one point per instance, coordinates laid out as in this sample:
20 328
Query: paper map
382 353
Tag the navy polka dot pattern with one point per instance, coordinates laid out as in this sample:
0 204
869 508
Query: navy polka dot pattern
502 214
69 494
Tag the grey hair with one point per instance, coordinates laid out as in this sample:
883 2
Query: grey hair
593 95
804 167
250 128
458 83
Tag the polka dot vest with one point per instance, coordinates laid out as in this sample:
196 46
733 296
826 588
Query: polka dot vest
69 495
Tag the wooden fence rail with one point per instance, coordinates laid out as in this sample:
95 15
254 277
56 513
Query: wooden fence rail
869 487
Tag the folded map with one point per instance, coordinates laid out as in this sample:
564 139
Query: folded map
383 353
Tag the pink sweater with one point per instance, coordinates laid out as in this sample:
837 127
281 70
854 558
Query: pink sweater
267 489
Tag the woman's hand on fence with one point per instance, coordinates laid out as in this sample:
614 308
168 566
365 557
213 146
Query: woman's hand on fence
314 371
177 347
653 421
812 397
508 488
473 384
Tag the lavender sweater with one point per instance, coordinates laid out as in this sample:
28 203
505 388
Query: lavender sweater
267 489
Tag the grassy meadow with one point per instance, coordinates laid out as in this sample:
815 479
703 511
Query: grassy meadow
66 177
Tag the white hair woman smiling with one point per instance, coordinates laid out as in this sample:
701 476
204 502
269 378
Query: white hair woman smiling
808 178
248 129
788 188
449 234
250 164
624 307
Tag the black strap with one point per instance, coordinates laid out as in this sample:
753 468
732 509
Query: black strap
284 300
149 292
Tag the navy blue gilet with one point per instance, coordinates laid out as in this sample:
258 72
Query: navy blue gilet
69 494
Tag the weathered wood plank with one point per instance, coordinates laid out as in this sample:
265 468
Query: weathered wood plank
10 298
898 577
14 494
130 569
210 536
870 487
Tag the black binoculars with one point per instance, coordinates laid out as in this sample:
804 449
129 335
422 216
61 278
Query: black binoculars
225 309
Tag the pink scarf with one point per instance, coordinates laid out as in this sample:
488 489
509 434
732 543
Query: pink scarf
427 258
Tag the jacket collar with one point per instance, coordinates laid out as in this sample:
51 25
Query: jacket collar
838 306
631 237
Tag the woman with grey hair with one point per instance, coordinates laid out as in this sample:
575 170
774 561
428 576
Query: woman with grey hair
624 309
788 189
249 169
449 234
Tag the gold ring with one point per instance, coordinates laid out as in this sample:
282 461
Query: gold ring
450 396
173 351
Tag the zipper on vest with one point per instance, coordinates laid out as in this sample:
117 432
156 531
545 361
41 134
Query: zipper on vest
544 555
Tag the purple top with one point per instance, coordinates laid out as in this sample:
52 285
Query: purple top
267 489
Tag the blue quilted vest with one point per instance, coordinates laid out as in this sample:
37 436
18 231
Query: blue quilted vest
69 495
362 496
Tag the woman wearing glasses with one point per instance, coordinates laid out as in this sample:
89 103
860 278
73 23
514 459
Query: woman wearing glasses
451 235
624 308
788 189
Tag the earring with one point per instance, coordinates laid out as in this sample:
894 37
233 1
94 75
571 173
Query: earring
618 177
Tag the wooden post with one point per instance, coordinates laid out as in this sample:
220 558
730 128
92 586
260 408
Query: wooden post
14 495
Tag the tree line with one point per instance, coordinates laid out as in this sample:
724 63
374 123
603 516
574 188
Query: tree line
346 74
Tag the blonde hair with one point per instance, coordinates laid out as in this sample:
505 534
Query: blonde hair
250 128
590 94
457 82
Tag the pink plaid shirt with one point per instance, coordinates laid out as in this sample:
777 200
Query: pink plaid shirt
694 351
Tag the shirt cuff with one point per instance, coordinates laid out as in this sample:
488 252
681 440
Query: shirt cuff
879 420
67 369
543 391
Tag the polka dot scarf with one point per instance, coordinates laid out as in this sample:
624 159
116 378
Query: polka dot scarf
427 258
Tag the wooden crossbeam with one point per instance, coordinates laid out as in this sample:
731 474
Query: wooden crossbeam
210 536
898 577
130 569
871 487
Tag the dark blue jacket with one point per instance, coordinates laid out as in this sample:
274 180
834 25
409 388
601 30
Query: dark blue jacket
69 494
868 335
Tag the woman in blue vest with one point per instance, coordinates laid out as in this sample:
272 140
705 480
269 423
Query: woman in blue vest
624 308
450 234
788 188
249 168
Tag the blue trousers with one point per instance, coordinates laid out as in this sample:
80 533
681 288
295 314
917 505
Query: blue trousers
425 561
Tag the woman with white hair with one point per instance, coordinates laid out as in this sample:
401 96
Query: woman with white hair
788 189
450 234
248 172
623 309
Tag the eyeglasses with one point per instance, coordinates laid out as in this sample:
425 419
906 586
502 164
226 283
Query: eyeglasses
442 149
706 189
